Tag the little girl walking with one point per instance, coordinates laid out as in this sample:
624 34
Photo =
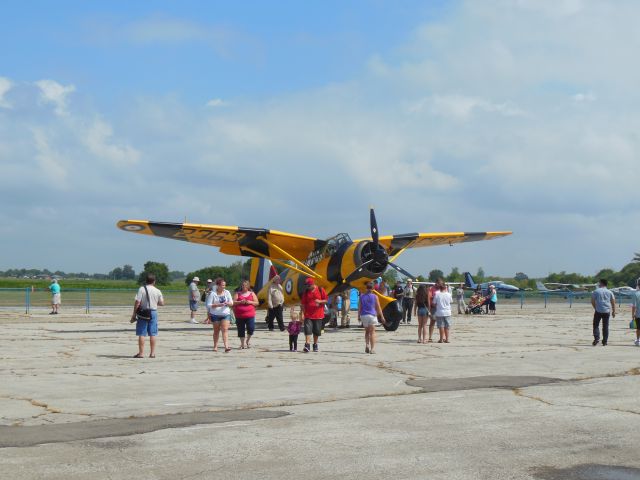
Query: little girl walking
294 329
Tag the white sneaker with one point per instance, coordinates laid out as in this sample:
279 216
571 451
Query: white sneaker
637 343
193 320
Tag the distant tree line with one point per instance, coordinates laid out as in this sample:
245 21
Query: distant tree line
240 269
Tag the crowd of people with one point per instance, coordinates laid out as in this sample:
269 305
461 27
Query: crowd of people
431 304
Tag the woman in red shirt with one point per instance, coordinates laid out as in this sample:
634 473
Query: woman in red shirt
244 308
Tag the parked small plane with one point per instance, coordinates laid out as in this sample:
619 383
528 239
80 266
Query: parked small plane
623 291
564 292
337 263
501 287
573 287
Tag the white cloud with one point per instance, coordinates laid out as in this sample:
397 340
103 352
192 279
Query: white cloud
99 141
217 102
5 86
50 166
55 93
584 97
460 107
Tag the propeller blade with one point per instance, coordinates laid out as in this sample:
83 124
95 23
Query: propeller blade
374 227
355 273
402 271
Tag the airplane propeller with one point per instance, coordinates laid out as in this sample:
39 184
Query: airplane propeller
376 257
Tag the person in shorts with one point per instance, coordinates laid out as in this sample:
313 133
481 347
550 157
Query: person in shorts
368 313
635 312
149 297
312 303
493 299
54 288
218 304
442 302
194 297
421 310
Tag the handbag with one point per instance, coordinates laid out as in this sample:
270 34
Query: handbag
144 313
633 324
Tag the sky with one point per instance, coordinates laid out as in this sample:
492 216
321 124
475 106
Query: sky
445 116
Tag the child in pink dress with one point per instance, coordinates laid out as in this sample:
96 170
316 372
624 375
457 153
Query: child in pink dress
294 329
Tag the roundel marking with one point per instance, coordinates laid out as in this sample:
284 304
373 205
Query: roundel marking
288 286
133 228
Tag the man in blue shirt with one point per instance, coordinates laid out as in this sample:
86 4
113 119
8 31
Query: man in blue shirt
54 288
604 304
635 311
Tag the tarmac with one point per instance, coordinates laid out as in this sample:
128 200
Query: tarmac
519 395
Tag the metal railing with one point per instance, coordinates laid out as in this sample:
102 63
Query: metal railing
88 298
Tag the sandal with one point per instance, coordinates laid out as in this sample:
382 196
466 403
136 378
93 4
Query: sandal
137 355
227 350
440 341
152 356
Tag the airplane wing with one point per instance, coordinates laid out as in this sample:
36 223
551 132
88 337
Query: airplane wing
397 243
249 242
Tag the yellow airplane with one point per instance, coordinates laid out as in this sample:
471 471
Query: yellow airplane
337 263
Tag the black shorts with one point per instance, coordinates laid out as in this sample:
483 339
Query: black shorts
312 327
492 305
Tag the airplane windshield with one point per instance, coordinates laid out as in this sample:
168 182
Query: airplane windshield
330 246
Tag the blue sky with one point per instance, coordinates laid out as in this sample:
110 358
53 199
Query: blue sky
447 116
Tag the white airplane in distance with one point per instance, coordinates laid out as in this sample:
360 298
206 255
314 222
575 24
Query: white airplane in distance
623 291
572 287
563 291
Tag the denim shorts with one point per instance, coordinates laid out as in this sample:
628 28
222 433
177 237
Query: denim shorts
193 305
443 322
148 328
423 311
219 318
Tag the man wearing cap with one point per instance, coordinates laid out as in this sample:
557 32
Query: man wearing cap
194 296
312 302
275 304
408 294
54 288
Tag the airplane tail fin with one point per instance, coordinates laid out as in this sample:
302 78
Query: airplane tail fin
262 270
540 286
468 281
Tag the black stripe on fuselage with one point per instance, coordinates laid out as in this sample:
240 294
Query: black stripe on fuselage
334 273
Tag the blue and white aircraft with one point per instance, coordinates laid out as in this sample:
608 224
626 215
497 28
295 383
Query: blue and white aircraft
501 287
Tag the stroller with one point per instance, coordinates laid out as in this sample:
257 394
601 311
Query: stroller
475 306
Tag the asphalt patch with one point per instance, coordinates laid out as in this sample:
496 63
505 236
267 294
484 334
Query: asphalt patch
588 472
17 436
472 383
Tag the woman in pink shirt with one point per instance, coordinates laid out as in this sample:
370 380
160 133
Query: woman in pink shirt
244 308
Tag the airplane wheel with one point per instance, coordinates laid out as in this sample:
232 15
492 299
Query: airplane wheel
393 315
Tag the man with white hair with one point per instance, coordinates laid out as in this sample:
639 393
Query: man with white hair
194 297
275 304
54 288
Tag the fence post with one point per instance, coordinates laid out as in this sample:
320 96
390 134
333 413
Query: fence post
521 299
88 302
570 299
27 299
545 299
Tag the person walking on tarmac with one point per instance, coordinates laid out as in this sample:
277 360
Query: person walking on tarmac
312 303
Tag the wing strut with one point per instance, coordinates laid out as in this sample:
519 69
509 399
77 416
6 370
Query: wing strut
286 265
299 264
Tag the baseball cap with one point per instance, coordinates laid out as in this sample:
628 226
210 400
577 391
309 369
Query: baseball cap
196 279
309 281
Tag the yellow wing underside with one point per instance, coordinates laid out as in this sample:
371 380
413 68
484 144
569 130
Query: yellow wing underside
231 240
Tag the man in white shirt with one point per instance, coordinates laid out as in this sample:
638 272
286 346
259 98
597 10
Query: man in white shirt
194 296
148 297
